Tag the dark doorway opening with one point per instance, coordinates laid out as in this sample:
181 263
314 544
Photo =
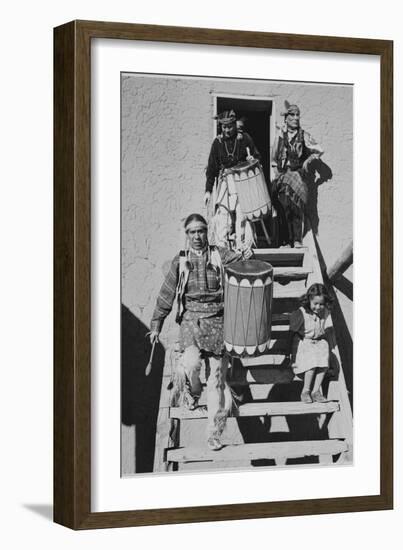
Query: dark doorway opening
256 114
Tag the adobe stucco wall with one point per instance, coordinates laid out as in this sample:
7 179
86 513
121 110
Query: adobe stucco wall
167 130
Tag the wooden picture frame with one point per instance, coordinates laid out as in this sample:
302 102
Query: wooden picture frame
72 272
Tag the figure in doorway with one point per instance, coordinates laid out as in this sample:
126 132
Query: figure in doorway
231 147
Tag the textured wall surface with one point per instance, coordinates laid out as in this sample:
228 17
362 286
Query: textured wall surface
167 130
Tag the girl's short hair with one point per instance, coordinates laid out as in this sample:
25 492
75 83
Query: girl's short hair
317 289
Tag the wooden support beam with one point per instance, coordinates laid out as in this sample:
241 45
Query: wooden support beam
344 286
342 263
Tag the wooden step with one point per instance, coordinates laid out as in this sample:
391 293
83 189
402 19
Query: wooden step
263 409
280 330
256 451
267 360
290 272
292 257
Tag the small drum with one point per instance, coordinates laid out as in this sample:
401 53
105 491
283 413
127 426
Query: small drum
247 181
248 295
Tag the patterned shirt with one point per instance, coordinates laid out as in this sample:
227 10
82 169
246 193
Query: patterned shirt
203 291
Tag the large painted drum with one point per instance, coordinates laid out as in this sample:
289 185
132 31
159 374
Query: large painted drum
247 181
248 296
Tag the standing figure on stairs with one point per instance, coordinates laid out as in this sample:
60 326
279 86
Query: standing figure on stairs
196 280
292 152
308 343
231 147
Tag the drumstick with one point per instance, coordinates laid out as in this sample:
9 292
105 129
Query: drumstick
248 151
149 366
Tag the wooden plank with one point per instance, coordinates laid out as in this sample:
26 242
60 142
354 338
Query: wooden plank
166 390
256 451
291 272
165 435
163 440
307 261
263 409
280 331
316 274
279 252
171 355
269 360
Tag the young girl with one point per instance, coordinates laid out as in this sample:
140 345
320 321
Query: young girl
308 341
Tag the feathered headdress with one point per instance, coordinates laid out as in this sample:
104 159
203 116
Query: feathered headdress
288 108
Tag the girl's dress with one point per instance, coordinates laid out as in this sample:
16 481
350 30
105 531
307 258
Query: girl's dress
310 348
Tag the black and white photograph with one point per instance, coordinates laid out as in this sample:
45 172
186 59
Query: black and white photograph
201 255
236 274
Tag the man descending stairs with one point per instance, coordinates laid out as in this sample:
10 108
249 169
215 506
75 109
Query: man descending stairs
269 426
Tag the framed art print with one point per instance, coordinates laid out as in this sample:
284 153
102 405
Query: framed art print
223 275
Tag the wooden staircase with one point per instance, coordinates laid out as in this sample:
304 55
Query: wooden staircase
270 426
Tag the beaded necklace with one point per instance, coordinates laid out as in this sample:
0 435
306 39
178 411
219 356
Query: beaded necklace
231 155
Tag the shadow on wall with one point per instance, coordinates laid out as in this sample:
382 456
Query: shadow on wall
140 394
318 172
343 336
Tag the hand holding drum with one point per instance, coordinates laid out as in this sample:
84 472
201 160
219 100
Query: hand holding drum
249 157
247 252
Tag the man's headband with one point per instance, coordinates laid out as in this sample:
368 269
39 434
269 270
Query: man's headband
290 109
227 117
195 225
